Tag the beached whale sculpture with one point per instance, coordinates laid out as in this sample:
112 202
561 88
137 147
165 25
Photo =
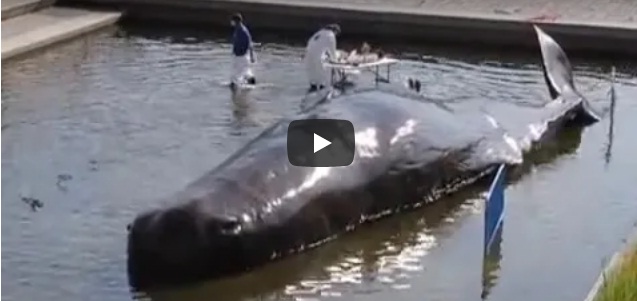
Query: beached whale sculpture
256 207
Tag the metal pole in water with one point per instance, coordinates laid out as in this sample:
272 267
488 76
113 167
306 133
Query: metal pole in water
494 209
493 223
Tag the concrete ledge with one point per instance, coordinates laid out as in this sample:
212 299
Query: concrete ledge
46 27
12 9
397 22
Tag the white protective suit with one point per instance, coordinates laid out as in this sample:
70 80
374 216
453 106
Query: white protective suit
322 43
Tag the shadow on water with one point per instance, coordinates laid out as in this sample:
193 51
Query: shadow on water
366 248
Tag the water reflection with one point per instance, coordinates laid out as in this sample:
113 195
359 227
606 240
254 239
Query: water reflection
611 124
376 255
566 142
491 264
241 109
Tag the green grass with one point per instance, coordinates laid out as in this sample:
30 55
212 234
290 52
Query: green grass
621 284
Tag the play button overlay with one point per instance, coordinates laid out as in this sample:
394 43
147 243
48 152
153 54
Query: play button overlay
320 142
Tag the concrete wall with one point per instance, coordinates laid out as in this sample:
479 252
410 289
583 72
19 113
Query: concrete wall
380 22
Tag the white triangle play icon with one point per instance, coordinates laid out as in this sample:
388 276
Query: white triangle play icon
320 143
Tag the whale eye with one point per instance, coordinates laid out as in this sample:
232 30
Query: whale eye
230 226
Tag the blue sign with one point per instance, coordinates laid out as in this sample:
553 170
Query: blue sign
494 210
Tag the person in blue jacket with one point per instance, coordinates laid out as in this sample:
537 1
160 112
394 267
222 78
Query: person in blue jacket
242 51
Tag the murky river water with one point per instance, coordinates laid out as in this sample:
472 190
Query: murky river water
99 129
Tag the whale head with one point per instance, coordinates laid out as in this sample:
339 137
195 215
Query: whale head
189 241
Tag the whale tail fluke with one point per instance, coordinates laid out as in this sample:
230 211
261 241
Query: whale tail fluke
556 65
558 74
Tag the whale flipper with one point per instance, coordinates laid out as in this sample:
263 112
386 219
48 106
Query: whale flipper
557 68
558 74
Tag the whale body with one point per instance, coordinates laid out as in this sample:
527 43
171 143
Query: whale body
256 207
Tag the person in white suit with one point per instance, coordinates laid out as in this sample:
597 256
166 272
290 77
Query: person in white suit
320 45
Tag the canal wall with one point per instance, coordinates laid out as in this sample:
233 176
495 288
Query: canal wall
606 26
580 25
28 25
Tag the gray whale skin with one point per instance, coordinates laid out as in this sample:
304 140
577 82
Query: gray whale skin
256 207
